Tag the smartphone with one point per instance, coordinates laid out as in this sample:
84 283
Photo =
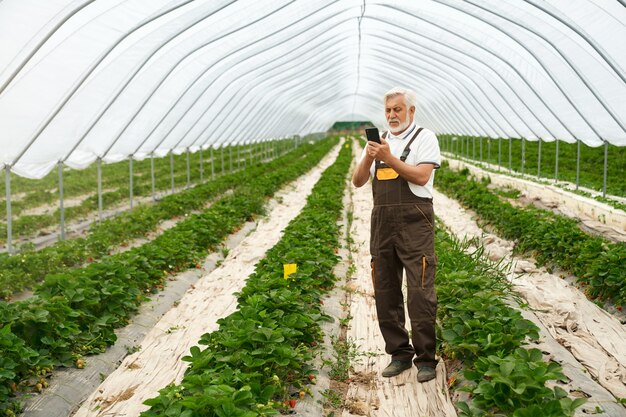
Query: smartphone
372 134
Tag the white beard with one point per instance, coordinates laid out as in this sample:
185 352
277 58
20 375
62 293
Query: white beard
402 126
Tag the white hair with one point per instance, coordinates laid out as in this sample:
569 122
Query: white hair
410 97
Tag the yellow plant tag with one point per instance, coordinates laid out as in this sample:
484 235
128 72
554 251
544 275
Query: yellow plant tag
289 269
384 174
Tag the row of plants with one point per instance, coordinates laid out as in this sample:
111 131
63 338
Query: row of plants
552 239
115 180
259 361
591 159
75 313
23 270
478 329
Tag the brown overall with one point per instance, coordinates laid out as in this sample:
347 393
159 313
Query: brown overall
402 236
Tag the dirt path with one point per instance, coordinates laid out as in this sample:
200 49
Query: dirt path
370 394
158 361
594 337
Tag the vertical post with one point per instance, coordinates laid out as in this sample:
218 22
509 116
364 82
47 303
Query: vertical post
473 148
523 153
130 176
239 157
556 163
172 170
188 170
230 157
222 147
481 149
510 155
499 153
606 160
61 208
201 168
152 176
9 220
212 164
99 166
577 163
489 150
539 160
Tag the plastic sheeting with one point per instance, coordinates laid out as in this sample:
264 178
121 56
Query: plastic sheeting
109 79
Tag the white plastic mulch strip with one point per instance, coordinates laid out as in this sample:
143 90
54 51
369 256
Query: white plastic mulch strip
369 393
594 337
158 363
597 214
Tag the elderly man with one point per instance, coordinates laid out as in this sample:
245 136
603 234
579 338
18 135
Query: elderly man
402 234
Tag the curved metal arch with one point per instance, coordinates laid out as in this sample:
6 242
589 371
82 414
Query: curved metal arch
499 58
434 56
332 59
204 45
42 42
494 71
258 82
255 116
580 32
254 69
591 89
243 60
87 73
469 97
451 108
155 51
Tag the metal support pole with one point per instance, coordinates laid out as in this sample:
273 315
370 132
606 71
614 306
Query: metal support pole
201 170
222 147
489 150
481 149
188 170
239 157
172 170
523 154
130 176
577 163
61 208
510 155
152 177
473 148
9 220
499 153
230 157
556 163
99 170
212 164
606 160
539 160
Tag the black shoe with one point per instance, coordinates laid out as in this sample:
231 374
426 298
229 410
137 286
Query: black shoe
425 373
396 368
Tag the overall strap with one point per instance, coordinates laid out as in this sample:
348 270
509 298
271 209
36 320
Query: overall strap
407 148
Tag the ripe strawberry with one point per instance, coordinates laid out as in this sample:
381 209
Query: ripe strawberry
292 403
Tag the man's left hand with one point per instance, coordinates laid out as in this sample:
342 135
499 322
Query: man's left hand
380 151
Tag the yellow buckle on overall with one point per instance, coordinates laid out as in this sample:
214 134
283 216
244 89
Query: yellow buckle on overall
384 174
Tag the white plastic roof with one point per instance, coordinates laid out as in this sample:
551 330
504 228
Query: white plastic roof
109 79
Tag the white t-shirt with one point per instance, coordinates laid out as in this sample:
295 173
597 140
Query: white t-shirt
424 150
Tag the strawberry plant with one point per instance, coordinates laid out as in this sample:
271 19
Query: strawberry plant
75 312
552 239
262 352
478 328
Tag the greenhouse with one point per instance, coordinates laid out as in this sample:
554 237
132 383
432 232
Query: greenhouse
239 208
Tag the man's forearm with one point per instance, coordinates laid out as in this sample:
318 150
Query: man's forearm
362 171
419 174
